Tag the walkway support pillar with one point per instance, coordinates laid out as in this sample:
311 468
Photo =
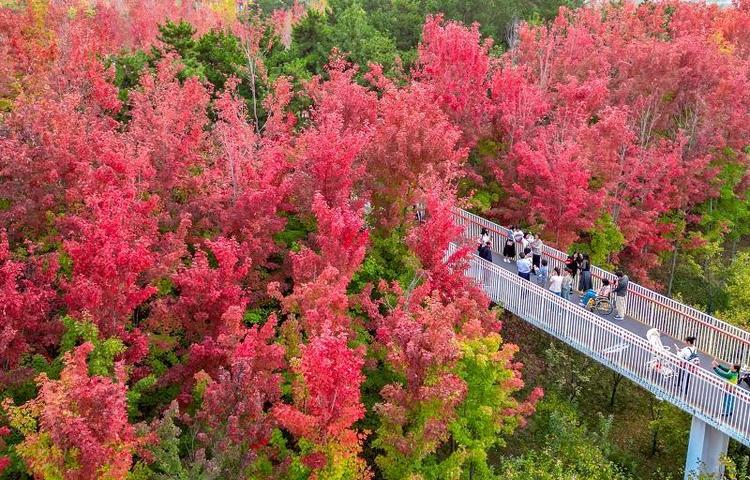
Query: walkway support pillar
705 448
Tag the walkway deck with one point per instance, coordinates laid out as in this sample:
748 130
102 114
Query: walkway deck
628 323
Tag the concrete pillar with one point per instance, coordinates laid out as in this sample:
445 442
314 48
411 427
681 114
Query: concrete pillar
706 447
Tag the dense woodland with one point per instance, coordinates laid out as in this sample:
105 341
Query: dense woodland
210 266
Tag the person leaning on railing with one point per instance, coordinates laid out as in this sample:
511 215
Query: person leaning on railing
732 376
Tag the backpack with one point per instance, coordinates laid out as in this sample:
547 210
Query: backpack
694 358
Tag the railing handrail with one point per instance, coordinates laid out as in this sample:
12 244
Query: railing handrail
713 386
733 332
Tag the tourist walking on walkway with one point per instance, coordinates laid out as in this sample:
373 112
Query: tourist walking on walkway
524 266
542 273
567 284
690 359
732 376
420 212
621 292
555 282
585 284
485 252
509 250
536 253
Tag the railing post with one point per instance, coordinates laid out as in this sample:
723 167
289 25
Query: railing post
705 448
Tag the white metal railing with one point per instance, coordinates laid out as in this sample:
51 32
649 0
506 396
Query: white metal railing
715 337
695 390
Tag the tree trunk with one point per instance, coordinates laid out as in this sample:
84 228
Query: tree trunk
672 269
617 379
654 429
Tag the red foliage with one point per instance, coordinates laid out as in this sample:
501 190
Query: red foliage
582 132
250 182
4 460
455 61
27 293
235 409
331 149
82 417
206 293
321 278
413 140
64 150
341 240
327 400
169 141
110 249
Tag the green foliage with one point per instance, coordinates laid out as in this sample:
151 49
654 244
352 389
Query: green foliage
480 424
135 395
213 57
297 228
392 462
401 19
167 463
567 450
363 43
738 309
573 374
604 239
312 41
728 216
667 427
737 469
102 357
388 259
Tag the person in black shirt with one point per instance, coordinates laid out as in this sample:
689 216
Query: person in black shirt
485 252
585 284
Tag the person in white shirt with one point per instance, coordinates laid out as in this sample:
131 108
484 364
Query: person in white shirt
689 354
517 235
484 237
555 282
536 253
523 265
526 241
567 284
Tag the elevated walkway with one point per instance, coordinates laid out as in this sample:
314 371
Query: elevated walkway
622 345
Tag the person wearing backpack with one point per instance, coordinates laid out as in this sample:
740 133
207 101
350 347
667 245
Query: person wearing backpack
690 358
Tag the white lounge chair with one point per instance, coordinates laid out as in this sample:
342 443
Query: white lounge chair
659 362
